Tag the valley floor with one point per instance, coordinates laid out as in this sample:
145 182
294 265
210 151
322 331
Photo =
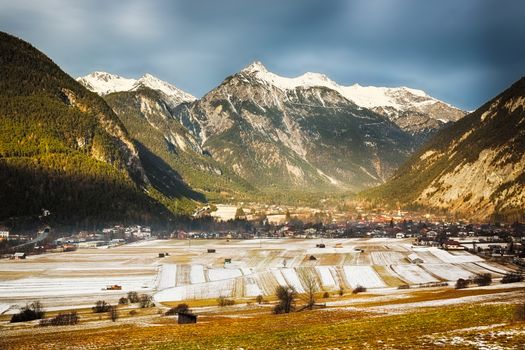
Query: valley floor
426 313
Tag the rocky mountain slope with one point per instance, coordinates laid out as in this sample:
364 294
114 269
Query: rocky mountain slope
277 133
173 159
61 147
280 133
475 167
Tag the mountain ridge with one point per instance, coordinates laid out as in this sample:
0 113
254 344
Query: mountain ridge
274 137
475 167
62 148
412 109
104 83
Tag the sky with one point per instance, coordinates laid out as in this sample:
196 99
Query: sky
463 52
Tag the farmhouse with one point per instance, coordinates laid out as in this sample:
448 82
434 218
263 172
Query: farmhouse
452 245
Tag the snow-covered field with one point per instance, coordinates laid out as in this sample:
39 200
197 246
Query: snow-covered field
223 274
257 267
197 274
364 276
413 274
326 275
460 257
447 272
36 287
225 212
290 275
168 276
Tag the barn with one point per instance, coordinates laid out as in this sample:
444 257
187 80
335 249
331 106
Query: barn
186 317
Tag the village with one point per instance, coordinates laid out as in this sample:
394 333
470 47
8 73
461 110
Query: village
497 240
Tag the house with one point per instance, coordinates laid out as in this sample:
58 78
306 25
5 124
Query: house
186 317
19 256
339 245
452 245
400 235
432 234
4 234
415 259
91 244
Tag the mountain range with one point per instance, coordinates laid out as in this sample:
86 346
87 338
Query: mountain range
108 148
299 134
474 168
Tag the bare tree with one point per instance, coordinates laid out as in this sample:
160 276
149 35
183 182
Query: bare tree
133 297
101 306
113 313
146 300
310 287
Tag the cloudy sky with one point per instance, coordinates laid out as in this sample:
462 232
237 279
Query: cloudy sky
463 52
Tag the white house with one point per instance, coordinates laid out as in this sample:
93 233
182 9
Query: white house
4 234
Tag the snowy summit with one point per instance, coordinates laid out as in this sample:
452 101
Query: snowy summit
398 98
105 83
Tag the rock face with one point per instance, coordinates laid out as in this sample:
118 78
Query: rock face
298 134
286 133
475 167
173 159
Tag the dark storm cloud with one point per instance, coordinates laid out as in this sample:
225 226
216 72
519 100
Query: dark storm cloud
463 52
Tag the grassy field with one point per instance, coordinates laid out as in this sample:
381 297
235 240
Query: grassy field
457 327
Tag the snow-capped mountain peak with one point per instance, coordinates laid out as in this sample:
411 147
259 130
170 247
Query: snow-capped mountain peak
170 90
390 101
105 83
254 67
258 71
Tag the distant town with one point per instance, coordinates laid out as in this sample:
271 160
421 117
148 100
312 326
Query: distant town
505 242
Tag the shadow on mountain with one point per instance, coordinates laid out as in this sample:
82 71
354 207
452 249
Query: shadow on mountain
163 178
75 200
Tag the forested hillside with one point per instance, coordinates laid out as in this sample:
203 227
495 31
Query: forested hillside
475 167
62 148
